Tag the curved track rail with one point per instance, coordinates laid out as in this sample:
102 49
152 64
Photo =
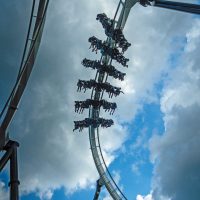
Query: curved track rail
29 55
22 61
95 146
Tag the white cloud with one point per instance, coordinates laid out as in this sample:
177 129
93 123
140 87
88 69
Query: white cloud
147 197
46 195
140 140
192 37
137 165
3 191
135 168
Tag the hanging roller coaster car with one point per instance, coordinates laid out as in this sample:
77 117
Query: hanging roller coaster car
96 104
105 49
109 69
100 87
95 123
146 3
115 34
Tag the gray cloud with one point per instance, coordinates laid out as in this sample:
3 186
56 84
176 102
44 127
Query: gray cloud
176 152
177 171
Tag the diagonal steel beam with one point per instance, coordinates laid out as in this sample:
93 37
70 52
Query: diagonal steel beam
179 6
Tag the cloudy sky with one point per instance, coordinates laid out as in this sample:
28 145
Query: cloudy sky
153 148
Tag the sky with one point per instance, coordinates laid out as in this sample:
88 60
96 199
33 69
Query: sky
152 150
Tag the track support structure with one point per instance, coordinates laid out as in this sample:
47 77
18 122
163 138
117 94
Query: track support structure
178 6
11 154
99 185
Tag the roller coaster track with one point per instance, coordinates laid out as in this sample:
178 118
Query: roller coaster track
123 8
95 145
28 59
109 50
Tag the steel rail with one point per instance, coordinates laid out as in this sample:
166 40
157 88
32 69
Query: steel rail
26 70
22 60
98 139
27 39
178 6
95 146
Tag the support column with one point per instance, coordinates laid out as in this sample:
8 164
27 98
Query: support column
5 159
14 182
184 7
98 189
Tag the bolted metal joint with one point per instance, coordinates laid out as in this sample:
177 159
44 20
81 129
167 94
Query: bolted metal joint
11 144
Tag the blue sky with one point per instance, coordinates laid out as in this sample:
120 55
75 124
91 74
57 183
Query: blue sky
152 150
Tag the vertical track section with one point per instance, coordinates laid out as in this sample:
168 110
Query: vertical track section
26 69
124 8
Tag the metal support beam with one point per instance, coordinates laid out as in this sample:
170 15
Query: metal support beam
5 158
127 5
98 189
11 154
184 7
14 182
